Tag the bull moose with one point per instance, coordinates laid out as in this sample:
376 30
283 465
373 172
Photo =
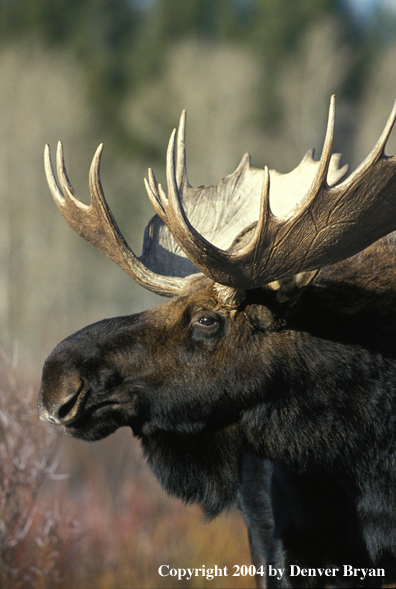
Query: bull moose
269 379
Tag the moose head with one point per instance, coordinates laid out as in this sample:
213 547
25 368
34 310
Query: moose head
226 365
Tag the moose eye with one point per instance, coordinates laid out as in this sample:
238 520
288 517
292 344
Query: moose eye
206 320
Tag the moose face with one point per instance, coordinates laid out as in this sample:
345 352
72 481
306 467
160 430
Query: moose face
179 376
179 367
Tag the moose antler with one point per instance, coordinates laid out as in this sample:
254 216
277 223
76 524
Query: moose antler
324 222
328 225
97 225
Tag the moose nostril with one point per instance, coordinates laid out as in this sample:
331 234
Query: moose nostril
67 407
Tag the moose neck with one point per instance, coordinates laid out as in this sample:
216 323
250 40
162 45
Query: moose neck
319 398
336 386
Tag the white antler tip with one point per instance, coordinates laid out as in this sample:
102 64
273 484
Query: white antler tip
309 156
332 109
172 137
60 160
47 153
99 149
182 122
152 181
266 181
52 184
96 159
98 152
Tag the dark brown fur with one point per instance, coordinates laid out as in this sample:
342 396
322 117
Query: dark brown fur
287 408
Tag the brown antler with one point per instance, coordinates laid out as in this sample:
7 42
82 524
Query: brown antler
320 222
328 225
97 225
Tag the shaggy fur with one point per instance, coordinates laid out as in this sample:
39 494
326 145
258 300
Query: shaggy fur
287 408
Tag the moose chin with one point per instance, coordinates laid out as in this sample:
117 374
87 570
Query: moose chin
269 378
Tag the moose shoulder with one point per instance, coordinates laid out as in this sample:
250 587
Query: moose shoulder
262 381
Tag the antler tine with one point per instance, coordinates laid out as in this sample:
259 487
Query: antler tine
211 260
259 241
386 132
320 180
156 195
265 209
181 170
155 191
64 196
52 183
376 153
95 185
99 204
70 197
96 224
174 200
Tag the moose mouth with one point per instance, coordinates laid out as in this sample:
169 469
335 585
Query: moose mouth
96 422
85 416
89 415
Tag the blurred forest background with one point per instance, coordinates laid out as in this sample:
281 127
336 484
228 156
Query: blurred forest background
254 75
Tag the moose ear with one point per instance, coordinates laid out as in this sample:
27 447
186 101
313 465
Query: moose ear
288 289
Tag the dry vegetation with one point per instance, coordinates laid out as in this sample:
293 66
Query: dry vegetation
29 538
106 524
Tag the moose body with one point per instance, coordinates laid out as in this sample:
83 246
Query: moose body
281 399
330 435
